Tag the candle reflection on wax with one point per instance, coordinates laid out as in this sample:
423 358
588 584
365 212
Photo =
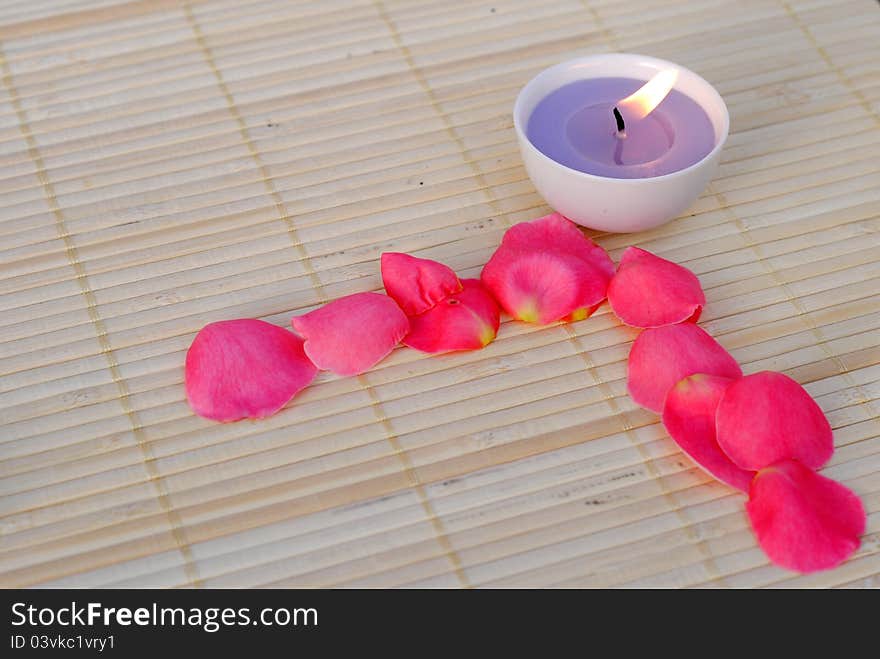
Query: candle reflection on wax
656 129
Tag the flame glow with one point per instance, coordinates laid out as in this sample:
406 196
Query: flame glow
642 102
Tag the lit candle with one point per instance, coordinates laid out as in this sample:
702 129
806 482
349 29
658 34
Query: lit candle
622 127
620 142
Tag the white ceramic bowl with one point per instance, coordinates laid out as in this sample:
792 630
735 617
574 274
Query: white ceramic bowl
616 204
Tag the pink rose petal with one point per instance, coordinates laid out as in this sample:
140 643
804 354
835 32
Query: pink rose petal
557 233
467 320
689 417
803 521
662 356
352 334
547 270
238 369
767 417
648 291
417 284
541 287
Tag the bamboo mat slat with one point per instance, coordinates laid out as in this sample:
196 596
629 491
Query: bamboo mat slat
168 163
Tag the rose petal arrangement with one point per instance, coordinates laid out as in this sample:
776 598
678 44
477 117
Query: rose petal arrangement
760 433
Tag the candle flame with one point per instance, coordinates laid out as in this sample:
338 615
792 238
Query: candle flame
642 102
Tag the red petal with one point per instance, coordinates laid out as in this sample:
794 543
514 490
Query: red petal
689 416
465 321
238 369
547 270
581 313
417 284
542 287
648 291
555 232
767 417
804 522
662 356
352 334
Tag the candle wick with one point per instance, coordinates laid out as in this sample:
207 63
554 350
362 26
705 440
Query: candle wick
621 126
618 152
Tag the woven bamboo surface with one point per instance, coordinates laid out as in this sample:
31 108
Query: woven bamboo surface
166 164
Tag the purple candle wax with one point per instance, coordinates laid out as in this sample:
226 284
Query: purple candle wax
574 125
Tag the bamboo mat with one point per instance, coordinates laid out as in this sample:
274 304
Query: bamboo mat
166 164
